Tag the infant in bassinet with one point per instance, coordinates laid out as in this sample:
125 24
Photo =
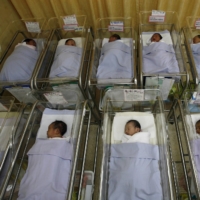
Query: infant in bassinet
159 57
134 166
116 60
49 166
196 52
67 60
20 64
195 146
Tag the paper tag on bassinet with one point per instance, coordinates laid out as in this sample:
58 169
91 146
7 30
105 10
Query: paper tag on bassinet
133 95
117 26
156 18
197 24
195 98
70 27
55 98
157 13
70 19
33 27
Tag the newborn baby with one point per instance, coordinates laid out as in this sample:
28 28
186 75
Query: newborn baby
133 133
114 37
197 127
156 37
70 42
196 39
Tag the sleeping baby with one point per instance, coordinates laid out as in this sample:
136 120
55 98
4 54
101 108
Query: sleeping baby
197 127
159 57
156 37
47 160
114 37
56 129
133 133
21 62
67 60
70 42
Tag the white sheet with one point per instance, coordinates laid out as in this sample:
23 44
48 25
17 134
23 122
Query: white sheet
127 41
146 36
50 115
192 130
145 119
78 40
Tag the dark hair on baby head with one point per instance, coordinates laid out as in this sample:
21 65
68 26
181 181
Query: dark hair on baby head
28 40
198 121
61 126
135 123
159 35
69 40
116 36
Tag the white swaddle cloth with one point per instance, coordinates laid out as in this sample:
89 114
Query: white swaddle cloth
143 137
27 45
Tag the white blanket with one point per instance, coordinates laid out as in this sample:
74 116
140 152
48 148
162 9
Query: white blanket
115 62
143 137
159 57
145 119
67 62
19 65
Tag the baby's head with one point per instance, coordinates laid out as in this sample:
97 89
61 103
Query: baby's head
56 129
30 42
197 126
196 39
114 37
70 42
156 37
132 127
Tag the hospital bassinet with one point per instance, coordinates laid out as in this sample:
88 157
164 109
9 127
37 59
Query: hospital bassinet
13 119
186 113
84 40
192 49
14 34
170 31
146 106
40 115
105 27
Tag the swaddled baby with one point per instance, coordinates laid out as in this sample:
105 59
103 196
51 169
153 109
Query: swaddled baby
133 133
197 127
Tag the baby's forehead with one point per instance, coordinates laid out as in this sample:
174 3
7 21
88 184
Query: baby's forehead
130 124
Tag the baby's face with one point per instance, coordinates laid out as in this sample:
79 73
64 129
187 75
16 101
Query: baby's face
32 43
196 40
112 39
71 43
155 38
130 129
198 128
50 131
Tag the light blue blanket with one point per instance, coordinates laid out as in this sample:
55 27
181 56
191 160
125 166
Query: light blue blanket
159 57
115 61
196 54
134 172
67 61
196 153
48 172
19 65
